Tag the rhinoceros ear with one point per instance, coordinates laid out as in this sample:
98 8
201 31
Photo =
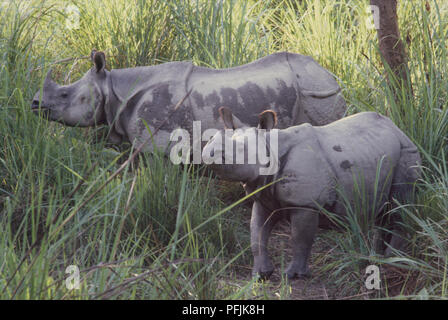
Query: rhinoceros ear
99 59
268 120
92 54
227 117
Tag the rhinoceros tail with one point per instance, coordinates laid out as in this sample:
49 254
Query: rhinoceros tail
408 169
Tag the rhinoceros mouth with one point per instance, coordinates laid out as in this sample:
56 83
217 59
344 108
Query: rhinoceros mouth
35 106
41 110
35 109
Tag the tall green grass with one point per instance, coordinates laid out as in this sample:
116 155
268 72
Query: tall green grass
160 231
121 238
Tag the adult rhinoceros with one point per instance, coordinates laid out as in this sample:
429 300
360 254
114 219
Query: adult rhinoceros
293 85
365 148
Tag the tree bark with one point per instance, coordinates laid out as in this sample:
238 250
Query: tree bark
391 47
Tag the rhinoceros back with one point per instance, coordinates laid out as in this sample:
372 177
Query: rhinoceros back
147 96
247 90
368 148
293 85
127 82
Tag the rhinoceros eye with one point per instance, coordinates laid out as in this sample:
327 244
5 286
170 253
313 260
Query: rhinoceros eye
64 95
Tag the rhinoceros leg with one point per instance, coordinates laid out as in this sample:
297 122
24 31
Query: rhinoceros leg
261 225
304 223
407 172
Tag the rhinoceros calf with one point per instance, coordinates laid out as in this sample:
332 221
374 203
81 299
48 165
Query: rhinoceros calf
312 162
293 85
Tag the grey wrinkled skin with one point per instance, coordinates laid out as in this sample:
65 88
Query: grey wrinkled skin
313 162
293 85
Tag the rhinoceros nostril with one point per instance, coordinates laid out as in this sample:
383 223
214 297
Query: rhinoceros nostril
35 104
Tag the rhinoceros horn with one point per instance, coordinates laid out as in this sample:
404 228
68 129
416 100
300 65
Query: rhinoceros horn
48 80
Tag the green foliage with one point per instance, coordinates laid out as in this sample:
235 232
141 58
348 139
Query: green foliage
160 231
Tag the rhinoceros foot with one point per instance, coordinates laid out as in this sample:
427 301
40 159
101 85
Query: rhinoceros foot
262 271
296 272
262 275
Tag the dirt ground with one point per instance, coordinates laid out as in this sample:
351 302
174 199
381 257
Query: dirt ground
277 286
318 286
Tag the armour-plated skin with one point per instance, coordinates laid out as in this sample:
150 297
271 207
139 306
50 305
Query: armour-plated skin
315 165
129 100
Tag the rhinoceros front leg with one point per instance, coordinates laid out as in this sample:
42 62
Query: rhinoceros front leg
261 225
304 223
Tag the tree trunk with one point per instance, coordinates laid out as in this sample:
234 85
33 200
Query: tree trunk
390 44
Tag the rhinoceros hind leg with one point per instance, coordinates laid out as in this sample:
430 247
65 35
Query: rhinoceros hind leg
407 172
397 242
